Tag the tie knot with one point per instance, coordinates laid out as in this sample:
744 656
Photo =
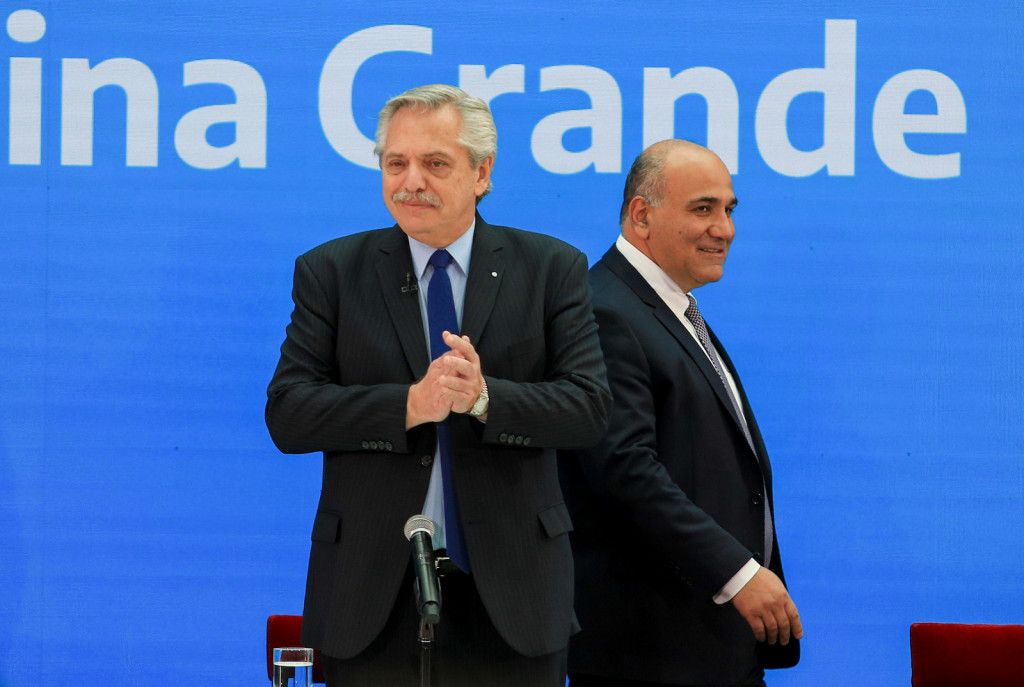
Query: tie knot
440 259
691 309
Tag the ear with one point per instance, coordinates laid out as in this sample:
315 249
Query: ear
483 175
638 210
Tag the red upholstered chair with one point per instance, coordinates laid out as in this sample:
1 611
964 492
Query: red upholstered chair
285 630
951 655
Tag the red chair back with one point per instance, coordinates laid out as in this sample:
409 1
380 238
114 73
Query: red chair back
286 630
952 655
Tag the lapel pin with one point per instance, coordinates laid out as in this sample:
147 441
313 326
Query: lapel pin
494 274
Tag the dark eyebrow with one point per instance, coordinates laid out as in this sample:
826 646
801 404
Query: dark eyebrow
711 200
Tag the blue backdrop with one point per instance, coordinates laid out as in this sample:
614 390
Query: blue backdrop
162 164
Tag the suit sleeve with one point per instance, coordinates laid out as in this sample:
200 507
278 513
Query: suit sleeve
307 410
569 407
625 473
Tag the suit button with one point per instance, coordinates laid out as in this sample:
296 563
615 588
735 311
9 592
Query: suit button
387 445
757 499
526 441
689 580
426 461
519 440
373 445
365 445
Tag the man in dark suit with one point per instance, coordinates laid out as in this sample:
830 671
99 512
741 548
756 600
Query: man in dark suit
468 438
678 575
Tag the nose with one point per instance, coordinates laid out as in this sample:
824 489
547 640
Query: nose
414 180
722 227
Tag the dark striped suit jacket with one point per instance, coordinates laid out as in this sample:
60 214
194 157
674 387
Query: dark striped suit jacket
354 345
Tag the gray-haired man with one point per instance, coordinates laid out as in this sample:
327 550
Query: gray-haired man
415 417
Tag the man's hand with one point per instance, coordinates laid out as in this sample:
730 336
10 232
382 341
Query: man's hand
765 604
461 380
427 400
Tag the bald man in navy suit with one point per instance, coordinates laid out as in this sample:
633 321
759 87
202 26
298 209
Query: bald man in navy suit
678 573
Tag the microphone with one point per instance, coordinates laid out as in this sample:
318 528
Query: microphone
410 287
418 530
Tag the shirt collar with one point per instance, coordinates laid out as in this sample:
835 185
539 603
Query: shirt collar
649 270
460 249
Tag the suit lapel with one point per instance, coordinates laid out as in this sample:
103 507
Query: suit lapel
486 270
394 273
755 431
618 264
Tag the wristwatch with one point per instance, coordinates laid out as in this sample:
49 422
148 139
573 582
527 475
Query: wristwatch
479 408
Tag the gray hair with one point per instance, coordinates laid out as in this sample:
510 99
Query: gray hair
478 135
645 179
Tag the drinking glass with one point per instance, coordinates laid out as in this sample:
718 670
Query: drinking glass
293 666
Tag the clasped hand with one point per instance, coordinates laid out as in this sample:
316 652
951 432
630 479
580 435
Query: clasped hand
452 384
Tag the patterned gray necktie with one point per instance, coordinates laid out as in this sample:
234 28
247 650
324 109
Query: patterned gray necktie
693 315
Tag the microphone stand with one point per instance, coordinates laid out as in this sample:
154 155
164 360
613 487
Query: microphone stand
426 639
418 530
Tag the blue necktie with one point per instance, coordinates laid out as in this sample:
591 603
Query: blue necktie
442 318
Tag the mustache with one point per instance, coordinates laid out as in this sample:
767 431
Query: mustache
422 196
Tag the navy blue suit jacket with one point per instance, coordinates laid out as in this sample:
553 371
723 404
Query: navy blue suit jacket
668 506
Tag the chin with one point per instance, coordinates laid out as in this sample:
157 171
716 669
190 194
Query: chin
416 230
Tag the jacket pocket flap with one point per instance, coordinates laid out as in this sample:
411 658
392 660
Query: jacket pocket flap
555 520
325 527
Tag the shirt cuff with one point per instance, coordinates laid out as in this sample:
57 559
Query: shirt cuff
737 582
